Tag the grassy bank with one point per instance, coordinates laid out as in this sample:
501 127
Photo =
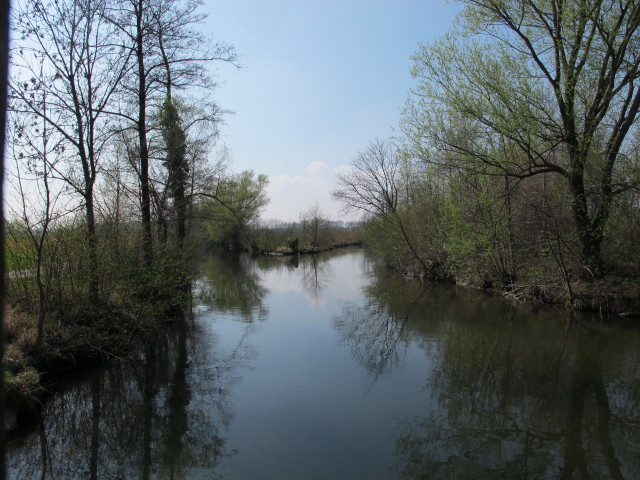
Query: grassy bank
56 325
75 340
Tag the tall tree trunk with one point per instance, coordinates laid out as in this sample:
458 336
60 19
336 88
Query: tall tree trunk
87 158
590 234
41 303
145 198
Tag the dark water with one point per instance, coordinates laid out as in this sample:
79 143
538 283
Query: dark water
327 368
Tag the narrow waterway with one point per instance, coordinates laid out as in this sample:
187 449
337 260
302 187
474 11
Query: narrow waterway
328 367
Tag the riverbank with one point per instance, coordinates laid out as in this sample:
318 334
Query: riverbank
288 251
608 296
613 295
78 343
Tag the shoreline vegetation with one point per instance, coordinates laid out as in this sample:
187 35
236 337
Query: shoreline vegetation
608 296
516 163
84 340
80 336
288 251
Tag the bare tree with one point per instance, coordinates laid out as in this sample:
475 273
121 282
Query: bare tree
36 151
168 54
372 186
314 222
66 55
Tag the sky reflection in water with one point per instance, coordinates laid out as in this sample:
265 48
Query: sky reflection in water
329 367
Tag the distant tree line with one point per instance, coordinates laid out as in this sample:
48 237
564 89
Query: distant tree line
312 232
518 164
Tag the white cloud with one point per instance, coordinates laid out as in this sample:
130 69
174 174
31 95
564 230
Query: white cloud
316 167
343 169
292 194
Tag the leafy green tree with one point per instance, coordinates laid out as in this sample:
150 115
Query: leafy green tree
176 162
554 84
232 208
478 233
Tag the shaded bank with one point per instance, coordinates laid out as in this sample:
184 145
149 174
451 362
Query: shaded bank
76 349
81 335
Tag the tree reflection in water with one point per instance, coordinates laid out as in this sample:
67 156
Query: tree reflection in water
515 402
315 271
376 330
316 275
164 415
505 393
232 285
512 395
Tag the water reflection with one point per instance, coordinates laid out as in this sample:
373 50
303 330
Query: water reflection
457 385
164 416
512 395
376 329
316 276
232 285
512 402
312 273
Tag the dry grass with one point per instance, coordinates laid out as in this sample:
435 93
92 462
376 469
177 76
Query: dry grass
22 381
14 359
20 328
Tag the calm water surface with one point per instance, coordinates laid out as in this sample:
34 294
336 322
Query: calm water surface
328 368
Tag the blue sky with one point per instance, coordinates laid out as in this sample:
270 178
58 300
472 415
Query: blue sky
320 79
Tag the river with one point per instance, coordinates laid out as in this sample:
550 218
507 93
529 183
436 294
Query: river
329 367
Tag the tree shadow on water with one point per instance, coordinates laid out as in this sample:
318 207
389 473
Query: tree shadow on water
231 284
164 415
508 401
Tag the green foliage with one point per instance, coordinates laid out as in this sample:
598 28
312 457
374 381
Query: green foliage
529 88
478 231
622 248
175 141
231 214
176 162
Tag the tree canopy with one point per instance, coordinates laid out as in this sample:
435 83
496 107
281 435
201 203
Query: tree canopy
528 87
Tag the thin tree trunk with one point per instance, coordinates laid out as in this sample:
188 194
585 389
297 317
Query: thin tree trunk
409 243
92 243
145 199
